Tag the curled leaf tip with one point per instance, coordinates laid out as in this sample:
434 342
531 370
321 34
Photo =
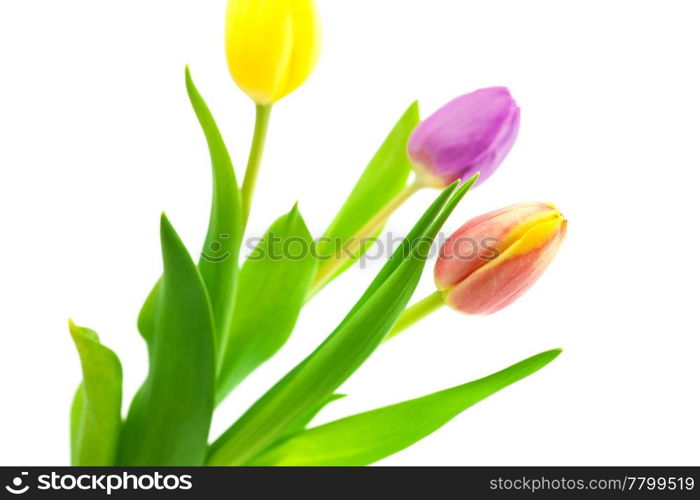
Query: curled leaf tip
73 329
79 333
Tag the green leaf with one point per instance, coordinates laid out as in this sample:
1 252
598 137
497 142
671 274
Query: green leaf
169 419
367 437
423 232
77 410
271 290
146 322
96 410
383 178
289 403
315 411
218 263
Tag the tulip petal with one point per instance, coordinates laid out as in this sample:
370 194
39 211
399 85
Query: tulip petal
271 46
483 238
472 133
306 46
259 46
501 281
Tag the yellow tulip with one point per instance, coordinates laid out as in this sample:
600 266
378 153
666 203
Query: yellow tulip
272 46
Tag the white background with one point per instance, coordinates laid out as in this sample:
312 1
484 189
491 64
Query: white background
97 137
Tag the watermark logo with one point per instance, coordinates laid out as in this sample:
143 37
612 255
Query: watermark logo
274 248
17 488
96 482
216 252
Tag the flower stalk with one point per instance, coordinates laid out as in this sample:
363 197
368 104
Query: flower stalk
262 120
328 269
417 312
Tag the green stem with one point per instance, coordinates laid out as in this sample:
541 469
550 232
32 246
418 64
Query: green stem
416 312
328 269
262 119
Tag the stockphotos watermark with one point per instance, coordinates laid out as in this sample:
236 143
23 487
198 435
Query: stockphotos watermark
272 247
104 483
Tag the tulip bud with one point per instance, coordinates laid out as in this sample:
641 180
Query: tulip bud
472 133
493 259
271 45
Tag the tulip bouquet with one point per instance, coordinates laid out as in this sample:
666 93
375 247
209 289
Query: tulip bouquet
208 324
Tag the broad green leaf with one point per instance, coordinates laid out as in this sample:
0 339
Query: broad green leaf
96 410
169 418
218 263
287 406
423 232
383 178
271 289
367 437
289 403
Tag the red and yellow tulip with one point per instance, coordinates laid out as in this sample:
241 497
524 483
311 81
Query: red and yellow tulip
493 259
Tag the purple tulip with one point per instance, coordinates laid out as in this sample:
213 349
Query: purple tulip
472 133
